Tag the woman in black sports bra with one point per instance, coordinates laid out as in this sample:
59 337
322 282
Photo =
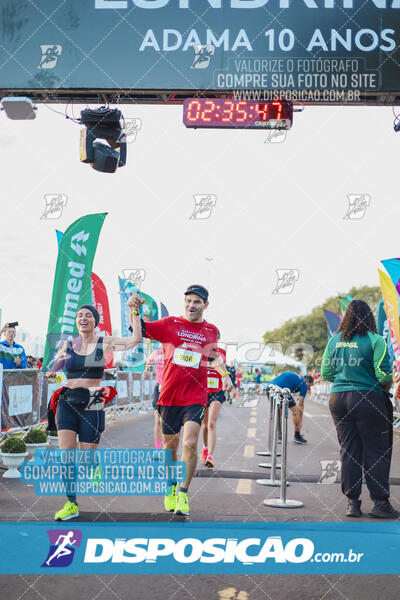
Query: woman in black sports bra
80 404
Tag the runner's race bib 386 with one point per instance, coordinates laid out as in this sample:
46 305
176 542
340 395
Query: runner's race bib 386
186 358
212 382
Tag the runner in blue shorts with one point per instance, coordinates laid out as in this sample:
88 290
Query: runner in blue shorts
295 383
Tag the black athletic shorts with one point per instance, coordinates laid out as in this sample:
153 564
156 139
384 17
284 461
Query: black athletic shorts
174 417
89 423
156 394
292 401
216 396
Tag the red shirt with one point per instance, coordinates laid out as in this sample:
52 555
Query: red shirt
186 348
214 379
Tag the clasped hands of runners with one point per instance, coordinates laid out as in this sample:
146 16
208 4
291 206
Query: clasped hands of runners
135 301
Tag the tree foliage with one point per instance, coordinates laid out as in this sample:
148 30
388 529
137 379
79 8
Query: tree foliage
305 338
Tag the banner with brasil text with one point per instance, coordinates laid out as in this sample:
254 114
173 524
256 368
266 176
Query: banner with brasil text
72 280
390 300
134 359
149 308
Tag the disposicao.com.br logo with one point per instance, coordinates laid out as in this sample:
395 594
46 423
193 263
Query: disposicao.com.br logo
62 547
247 551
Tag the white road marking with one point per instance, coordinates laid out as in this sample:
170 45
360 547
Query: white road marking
248 452
244 486
311 416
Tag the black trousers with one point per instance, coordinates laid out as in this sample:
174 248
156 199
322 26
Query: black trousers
364 427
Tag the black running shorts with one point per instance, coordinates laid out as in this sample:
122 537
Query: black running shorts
88 424
174 417
216 396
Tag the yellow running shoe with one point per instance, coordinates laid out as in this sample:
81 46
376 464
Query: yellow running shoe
182 504
170 498
69 511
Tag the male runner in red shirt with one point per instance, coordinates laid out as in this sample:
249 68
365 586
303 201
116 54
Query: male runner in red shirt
187 343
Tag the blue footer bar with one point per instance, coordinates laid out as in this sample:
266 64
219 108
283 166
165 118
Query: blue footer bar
200 548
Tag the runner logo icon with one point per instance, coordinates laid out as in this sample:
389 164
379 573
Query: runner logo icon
55 203
135 276
202 56
132 126
358 204
275 136
50 55
204 203
62 547
286 281
330 469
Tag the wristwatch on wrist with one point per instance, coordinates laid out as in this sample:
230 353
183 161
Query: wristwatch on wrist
135 312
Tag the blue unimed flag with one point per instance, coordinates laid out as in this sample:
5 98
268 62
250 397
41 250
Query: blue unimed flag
164 310
333 321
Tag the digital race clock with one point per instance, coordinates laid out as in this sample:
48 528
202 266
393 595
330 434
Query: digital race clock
246 114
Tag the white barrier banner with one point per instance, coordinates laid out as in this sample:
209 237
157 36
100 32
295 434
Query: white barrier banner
136 387
20 400
122 388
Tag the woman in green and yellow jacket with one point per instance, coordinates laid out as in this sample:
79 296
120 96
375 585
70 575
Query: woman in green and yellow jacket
356 361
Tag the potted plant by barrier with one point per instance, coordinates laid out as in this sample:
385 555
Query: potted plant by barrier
35 438
13 452
53 438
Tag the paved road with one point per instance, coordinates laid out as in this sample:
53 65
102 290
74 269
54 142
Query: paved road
229 493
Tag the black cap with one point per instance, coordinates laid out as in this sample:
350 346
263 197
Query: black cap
199 290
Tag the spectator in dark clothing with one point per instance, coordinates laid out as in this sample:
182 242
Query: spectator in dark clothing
356 361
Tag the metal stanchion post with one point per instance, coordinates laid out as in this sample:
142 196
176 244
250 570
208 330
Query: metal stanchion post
277 392
276 396
270 424
282 501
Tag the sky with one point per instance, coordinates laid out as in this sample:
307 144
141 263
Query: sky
278 206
